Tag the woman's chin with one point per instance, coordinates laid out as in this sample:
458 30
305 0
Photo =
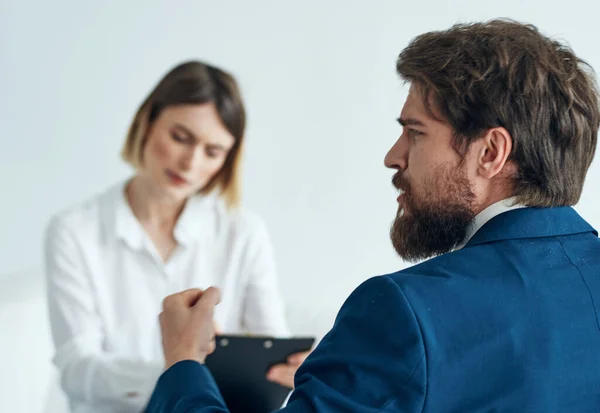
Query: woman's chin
173 194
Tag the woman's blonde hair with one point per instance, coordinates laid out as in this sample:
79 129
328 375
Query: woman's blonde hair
195 83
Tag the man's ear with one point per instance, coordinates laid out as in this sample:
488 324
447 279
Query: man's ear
493 151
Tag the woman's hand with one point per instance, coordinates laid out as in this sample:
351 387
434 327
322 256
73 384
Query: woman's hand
283 374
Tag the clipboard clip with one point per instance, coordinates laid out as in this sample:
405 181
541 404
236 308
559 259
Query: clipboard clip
266 344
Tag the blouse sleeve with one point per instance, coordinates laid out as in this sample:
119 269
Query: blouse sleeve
264 311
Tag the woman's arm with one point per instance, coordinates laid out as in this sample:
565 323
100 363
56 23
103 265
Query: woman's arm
88 373
264 311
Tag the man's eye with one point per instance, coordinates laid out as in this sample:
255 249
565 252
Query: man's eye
413 133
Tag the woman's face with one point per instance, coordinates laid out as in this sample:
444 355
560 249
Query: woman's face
186 147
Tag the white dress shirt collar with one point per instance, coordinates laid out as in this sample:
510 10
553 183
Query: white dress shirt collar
189 227
487 214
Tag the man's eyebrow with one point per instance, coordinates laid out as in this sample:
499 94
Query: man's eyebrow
410 121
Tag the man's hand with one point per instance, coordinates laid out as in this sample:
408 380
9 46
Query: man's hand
186 323
283 374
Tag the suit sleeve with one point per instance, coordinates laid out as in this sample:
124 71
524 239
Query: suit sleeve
373 360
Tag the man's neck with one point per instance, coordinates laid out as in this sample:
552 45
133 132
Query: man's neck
492 199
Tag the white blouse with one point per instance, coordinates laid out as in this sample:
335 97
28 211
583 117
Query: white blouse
106 283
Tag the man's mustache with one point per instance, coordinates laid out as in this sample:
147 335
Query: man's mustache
400 182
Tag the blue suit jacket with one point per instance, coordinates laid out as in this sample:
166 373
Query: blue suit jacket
510 323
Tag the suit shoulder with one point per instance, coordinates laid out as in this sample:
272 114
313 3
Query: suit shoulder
379 291
451 273
443 266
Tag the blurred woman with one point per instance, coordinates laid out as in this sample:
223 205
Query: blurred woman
175 224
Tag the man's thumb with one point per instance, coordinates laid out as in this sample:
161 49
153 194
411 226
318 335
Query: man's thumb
209 299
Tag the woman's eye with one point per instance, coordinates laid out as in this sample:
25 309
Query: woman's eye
178 137
212 153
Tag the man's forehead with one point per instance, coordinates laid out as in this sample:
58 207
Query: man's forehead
413 105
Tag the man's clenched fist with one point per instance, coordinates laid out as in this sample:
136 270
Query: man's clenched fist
187 327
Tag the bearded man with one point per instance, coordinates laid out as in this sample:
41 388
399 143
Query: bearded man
499 130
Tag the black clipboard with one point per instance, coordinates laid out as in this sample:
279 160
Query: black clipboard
239 365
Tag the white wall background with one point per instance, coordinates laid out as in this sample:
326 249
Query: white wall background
319 82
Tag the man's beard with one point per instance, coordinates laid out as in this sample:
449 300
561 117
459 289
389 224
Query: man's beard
439 221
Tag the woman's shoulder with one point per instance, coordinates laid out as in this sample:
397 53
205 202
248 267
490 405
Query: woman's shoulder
241 219
87 215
